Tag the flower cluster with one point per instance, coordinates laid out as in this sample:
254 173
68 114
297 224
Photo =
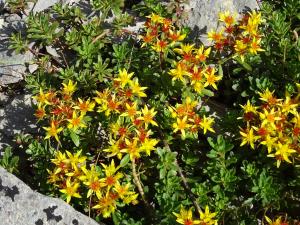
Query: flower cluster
129 131
190 68
62 111
275 125
106 187
187 120
238 36
185 217
161 33
278 221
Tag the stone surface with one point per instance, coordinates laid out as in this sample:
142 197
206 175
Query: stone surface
16 116
44 4
12 65
203 14
21 205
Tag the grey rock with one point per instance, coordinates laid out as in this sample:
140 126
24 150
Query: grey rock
21 205
3 99
15 117
44 4
203 14
12 65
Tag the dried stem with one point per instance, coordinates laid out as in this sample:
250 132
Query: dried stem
150 209
100 36
90 203
137 181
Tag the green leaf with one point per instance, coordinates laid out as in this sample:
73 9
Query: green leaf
244 64
207 92
125 160
75 138
220 70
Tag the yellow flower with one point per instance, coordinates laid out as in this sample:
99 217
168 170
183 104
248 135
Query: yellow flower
215 36
148 145
179 72
240 47
132 149
287 106
71 190
112 176
124 77
42 98
278 221
269 142
40 113
69 88
176 36
122 190
53 131
255 46
185 217
283 151
248 138
113 149
227 18
198 87
185 49
148 116
60 162
155 18
88 174
181 125
131 199
211 78
137 89
106 205
52 177
94 186
102 96
160 46
109 106
249 108
206 124
268 96
207 217
202 54
131 111
269 118
197 75
85 106
255 17
76 122
76 160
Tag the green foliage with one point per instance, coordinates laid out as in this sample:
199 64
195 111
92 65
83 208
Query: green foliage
277 67
17 43
8 161
169 191
69 46
266 189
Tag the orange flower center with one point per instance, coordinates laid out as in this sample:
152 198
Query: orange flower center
95 185
188 222
110 180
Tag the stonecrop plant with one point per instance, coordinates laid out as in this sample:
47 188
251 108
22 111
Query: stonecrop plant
275 125
127 129
238 36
